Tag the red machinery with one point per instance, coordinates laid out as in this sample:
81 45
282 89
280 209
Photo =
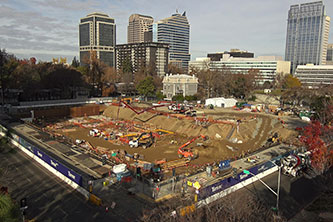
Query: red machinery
142 111
187 153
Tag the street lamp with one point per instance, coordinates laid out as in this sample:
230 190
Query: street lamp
277 194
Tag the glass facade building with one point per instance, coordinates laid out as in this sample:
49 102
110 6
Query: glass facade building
97 32
307 34
175 31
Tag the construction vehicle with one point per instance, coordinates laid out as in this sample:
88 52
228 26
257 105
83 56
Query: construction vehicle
179 108
295 164
162 131
274 140
188 153
143 141
94 133
191 113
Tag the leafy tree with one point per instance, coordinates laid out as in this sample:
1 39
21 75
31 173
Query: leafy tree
191 98
316 138
178 98
146 87
75 62
291 82
159 95
9 211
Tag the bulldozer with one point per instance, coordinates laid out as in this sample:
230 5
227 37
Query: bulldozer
273 140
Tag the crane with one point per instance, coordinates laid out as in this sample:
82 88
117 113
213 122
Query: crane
139 112
187 153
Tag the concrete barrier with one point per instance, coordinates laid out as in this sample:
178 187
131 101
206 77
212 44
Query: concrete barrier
236 187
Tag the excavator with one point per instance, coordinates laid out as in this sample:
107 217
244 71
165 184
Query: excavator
186 152
145 142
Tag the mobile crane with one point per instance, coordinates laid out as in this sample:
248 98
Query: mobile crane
187 153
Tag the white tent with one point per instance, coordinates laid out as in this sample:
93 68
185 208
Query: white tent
221 102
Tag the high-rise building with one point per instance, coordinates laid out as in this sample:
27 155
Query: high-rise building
175 31
329 57
97 32
143 55
307 34
137 26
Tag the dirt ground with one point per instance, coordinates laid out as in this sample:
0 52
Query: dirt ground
247 136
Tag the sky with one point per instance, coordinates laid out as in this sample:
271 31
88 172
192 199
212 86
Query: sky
47 29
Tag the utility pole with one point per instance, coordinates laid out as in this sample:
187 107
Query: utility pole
277 193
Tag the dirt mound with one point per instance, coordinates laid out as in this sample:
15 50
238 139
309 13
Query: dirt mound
180 126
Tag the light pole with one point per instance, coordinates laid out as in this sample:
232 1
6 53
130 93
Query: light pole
277 193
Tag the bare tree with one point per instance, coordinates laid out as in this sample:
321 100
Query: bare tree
232 208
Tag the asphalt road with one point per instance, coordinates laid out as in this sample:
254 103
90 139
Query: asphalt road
49 199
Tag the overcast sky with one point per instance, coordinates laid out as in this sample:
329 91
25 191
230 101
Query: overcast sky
49 28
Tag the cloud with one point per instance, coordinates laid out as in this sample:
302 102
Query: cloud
67 4
51 26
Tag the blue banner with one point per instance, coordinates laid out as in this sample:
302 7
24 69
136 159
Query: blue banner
229 182
51 161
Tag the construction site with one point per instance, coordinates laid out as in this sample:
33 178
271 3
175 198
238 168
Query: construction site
182 141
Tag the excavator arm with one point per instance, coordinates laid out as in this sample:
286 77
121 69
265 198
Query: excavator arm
181 148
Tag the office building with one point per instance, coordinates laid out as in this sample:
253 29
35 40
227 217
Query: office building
143 55
175 31
329 56
307 34
97 32
137 26
180 84
266 66
236 53
202 63
313 76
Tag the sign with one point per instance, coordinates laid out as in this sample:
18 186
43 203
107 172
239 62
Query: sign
197 185
229 182
69 173
189 183
246 172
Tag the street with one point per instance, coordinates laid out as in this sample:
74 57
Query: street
48 198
